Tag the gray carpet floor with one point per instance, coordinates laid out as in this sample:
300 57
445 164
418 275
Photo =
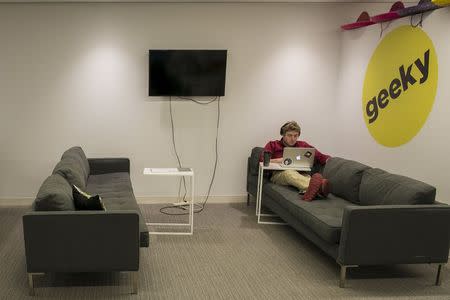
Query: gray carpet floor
229 256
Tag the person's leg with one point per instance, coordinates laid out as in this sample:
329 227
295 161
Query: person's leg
291 177
317 185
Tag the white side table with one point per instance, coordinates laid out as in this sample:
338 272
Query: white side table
175 172
262 168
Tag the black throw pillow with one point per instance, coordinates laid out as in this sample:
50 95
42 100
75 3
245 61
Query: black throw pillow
84 201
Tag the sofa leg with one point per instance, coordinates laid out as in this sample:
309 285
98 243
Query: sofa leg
439 275
30 284
248 199
343 276
134 282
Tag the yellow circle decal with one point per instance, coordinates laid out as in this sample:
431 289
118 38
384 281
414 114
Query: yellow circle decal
400 86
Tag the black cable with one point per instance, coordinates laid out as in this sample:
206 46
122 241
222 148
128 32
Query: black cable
200 102
419 23
384 28
216 159
176 152
178 158
162 210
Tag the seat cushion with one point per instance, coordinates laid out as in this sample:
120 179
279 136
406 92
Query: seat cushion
345 177
55 193
116 192
77 154
379 187
323 216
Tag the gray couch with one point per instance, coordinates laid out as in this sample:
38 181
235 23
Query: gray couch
371 217
59 238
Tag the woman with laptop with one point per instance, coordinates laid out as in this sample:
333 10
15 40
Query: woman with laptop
293 171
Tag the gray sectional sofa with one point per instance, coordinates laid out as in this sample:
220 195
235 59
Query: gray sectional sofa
59 238
371 217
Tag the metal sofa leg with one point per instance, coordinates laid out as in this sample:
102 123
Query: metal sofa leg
344 275
134 282
30 284
438 276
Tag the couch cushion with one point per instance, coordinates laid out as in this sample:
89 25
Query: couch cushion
379 187
54 194
77 154
345 177
323 216
110 184
117 194
72 170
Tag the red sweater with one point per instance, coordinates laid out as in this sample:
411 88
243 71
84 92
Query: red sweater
276 149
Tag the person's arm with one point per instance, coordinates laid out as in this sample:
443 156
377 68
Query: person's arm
319 156
276 160
269 148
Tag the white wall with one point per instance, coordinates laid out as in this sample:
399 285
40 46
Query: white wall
425 156
76 74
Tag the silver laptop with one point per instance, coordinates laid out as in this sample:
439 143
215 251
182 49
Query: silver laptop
301 159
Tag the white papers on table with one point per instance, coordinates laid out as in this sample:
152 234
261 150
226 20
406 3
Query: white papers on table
163 170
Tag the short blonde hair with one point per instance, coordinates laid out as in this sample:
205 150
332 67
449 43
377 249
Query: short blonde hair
290 126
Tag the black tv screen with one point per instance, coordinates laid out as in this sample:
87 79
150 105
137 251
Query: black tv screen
187 72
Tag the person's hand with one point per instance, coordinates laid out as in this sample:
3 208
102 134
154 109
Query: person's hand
276 160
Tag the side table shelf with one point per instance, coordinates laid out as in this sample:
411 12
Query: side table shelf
189 172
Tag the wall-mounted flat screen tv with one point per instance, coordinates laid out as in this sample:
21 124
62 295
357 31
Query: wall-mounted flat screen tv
187 72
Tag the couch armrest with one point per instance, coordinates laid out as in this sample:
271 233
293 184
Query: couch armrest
108 165
394 234
81 241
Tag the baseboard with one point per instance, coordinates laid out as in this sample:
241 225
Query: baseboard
26 201
198 199
16 201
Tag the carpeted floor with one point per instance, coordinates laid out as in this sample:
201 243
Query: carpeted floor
228 257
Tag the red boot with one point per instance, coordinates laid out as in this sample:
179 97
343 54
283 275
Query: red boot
315 185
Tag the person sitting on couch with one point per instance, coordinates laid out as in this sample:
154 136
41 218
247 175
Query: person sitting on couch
309 186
